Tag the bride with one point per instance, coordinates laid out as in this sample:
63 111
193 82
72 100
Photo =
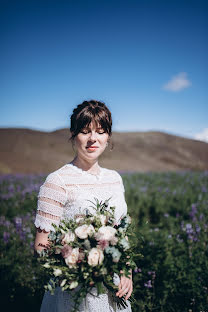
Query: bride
66 193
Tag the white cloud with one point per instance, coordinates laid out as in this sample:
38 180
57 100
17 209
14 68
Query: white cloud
177 83
202 136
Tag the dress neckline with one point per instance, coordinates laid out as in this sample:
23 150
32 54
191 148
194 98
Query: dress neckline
80 170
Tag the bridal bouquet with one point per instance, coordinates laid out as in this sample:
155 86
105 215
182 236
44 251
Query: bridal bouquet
86 252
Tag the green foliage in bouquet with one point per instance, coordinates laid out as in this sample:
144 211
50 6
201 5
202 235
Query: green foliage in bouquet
87 252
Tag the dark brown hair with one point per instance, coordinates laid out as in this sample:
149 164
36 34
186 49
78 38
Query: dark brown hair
87 112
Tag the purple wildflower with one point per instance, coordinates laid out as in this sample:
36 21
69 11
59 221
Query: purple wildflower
6 236
137 270
198 228
189 228
148 284
201 217
152 273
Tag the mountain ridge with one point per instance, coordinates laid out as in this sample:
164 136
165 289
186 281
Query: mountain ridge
25 150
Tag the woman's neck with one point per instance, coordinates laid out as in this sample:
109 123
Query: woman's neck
91 166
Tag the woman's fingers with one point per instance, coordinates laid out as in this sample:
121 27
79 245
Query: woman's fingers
124 286
120 287
124 291
129 293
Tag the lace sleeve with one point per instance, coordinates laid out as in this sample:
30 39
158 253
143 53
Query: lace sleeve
120 180
51 200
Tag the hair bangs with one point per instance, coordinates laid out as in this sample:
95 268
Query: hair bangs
90 112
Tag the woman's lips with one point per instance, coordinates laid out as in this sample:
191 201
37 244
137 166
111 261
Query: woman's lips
92 148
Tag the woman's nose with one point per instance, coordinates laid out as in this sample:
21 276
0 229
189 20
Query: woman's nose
93 136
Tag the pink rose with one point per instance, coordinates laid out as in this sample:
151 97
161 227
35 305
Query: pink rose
103 244
72 259
66 251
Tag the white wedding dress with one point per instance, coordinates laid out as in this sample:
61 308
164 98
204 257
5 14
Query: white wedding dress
64 194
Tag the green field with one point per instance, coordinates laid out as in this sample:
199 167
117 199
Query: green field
170 219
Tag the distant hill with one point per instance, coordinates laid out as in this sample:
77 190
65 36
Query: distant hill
31 151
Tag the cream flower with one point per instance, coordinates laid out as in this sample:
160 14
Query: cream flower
84 230
114 241
95 256
73 285
68 237
72 259
57 272
106 233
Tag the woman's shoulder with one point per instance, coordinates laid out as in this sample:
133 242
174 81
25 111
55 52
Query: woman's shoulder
112 172
56 176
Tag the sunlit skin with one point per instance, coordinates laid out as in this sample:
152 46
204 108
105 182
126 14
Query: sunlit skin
87 160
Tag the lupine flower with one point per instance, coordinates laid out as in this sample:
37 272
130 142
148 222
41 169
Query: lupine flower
137 270
6 236
148 284
152 273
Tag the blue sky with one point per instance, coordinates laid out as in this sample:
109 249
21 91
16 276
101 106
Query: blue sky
147 60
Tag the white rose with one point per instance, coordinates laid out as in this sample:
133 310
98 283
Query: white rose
73 258
68 237
95 256
84 230
90 230
57 272
106 232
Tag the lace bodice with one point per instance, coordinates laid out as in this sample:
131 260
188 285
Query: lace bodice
67 191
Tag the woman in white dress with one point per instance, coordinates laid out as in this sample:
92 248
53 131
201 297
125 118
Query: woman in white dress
66 192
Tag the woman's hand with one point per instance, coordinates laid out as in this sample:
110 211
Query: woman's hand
125 286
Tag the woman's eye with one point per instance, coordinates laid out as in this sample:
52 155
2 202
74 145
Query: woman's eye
87 131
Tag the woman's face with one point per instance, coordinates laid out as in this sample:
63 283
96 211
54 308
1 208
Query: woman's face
91 142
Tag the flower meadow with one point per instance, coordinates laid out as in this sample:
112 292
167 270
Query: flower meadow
170 219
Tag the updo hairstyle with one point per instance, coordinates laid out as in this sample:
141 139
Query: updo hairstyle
89 111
